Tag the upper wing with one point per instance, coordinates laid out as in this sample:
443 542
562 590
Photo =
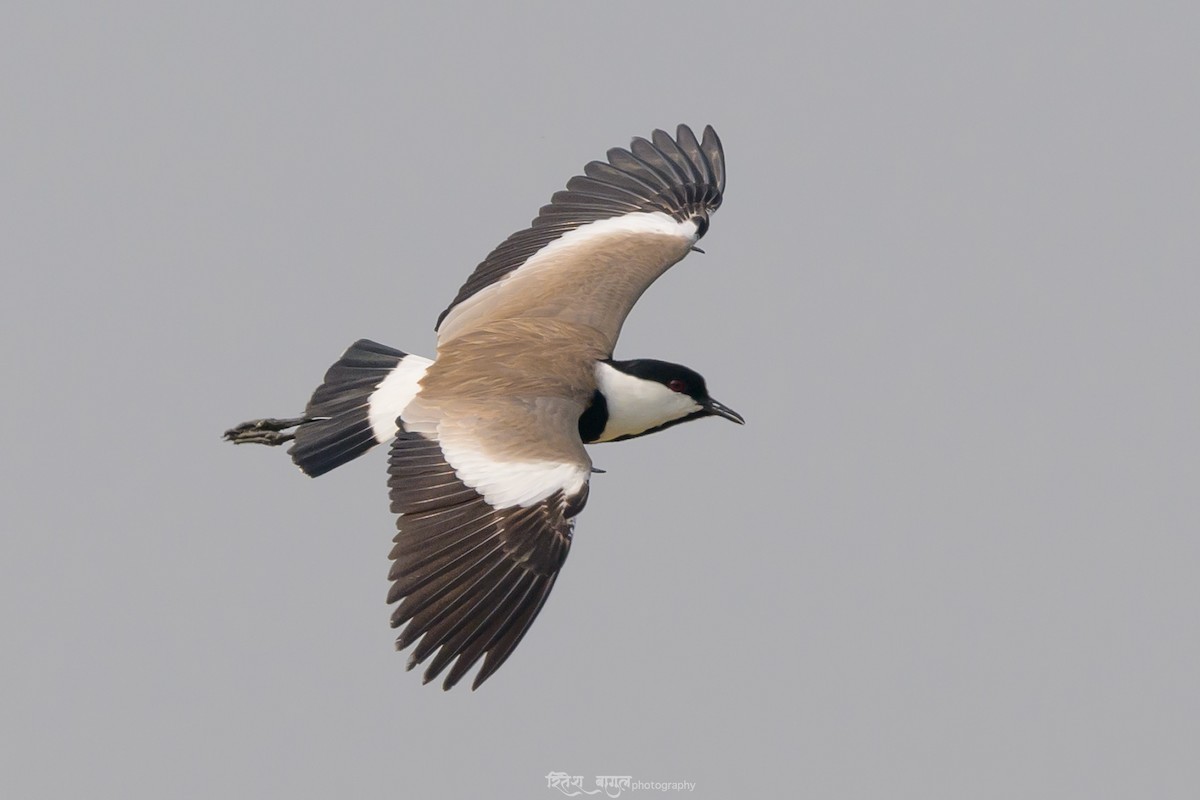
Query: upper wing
481 539
599 244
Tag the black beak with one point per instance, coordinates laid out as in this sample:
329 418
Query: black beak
718 409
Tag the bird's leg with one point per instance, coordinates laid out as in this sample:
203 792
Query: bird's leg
268 431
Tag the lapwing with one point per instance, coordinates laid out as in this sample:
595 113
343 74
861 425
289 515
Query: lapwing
487 468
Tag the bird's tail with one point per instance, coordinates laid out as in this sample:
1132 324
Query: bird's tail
354 409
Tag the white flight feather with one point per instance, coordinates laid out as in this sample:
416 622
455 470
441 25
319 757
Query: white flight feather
512 483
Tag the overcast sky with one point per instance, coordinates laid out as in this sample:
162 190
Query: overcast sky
953 289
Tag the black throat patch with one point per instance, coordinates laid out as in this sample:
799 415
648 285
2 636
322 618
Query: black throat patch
592 421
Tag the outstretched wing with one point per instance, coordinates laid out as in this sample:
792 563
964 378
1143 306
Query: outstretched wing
599 244
481 540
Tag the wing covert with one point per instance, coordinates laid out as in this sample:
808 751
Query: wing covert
664 189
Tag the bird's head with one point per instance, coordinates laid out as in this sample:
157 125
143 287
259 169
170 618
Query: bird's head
644 396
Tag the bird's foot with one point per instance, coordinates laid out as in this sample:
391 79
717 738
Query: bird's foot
268 431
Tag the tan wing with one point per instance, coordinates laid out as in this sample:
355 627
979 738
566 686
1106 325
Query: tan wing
598 245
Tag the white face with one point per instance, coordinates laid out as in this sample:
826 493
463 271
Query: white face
636 405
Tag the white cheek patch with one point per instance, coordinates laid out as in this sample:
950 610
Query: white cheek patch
636 405
393 395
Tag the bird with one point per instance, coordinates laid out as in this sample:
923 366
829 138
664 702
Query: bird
487 469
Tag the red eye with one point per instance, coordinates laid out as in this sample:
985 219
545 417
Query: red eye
676 385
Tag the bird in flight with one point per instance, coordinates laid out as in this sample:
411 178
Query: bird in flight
487 467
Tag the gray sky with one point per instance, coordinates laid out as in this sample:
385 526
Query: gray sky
953 289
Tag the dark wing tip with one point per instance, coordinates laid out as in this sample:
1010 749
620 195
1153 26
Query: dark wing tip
685 177
715 153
